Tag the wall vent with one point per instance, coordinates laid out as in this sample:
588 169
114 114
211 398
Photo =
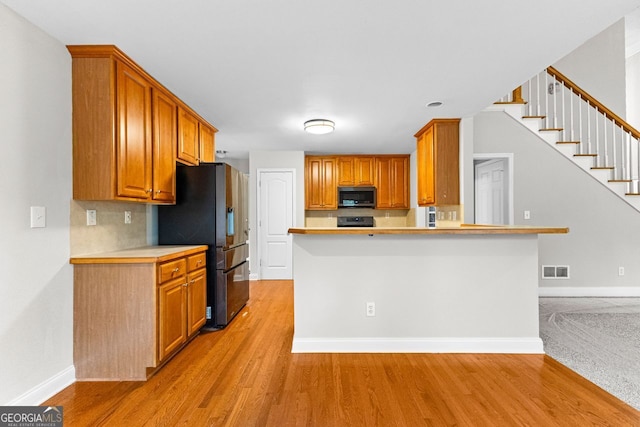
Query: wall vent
555 271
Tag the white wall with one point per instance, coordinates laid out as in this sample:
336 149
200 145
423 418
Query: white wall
603 228
36 283
598 66
633 91
272 159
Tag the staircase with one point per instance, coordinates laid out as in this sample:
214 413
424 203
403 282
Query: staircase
581 128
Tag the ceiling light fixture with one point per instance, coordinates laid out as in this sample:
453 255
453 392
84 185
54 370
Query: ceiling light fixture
434 104
319 126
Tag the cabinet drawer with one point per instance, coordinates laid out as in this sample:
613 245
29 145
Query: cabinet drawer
172 269
196 261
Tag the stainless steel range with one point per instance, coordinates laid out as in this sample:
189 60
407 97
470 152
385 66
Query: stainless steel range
355 221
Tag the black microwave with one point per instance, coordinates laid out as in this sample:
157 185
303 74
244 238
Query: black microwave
356 197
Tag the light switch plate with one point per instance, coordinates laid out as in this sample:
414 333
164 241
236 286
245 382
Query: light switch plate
38 217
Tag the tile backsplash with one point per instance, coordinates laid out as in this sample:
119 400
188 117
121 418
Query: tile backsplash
382 217
110 232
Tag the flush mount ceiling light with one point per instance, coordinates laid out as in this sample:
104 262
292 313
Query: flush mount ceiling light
434 104
319 126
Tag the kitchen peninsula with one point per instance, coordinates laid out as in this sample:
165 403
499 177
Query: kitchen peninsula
461 289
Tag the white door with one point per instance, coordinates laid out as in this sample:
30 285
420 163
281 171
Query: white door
491 206
275 217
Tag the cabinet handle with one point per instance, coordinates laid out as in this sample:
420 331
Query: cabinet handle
184 285
158 191
192 282
199 261
150 190
175 270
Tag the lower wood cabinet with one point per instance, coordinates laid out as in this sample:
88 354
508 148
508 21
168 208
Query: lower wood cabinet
134 310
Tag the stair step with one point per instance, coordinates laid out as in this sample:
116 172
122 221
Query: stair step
603 168
585 155
568 142
551 130
619 180
534 117
510 102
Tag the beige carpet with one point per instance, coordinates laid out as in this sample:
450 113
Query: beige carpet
599 338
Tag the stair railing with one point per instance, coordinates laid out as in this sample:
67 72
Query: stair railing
582 120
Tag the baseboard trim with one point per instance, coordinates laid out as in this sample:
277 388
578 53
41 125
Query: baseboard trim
596 291
418 345
46 389
253 276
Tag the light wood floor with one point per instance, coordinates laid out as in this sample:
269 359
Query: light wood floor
245 375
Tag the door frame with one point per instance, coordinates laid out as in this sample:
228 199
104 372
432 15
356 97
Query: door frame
509 166
259 173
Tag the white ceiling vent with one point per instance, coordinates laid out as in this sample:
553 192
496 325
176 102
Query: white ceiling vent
555 271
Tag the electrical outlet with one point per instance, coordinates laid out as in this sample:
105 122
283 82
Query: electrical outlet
38 216
127 217
527 214
91 217
371 309
620 271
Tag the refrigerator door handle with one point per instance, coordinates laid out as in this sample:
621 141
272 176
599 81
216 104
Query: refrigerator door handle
230 222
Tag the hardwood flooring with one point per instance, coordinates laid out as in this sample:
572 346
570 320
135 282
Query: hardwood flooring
246 375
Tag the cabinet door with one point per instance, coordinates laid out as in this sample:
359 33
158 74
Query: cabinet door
172 316
165 125
383 183
400 183
320 183
188 137
345 174
207 144
365 170
426 176
134 134
196 301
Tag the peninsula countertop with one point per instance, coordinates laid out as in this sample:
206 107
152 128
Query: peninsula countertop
145 254
464 229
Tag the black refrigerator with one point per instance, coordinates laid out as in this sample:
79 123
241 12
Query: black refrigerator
212 209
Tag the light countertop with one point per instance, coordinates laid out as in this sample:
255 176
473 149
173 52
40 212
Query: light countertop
145 254
464 229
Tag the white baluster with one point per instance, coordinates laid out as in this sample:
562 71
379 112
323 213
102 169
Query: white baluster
546 100
538 93
555 104
582 142
564 126
571 119
529 99
605 141
597 136
589 146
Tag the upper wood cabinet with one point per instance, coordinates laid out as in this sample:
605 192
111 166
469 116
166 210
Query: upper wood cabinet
134 147
320 183
125 129
438 163
207 143
356 170
392 182
188 137
164 146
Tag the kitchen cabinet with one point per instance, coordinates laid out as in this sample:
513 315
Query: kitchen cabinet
438 163
355 170
164 147
207 144
125 129
188 137
182 301
320 183
135 309
392 182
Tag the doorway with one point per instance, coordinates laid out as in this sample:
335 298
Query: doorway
275 215
493 188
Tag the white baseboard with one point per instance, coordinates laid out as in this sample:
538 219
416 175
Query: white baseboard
418 345
46 389
253 276
596 291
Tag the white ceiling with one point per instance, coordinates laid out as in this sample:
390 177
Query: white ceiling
258 69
